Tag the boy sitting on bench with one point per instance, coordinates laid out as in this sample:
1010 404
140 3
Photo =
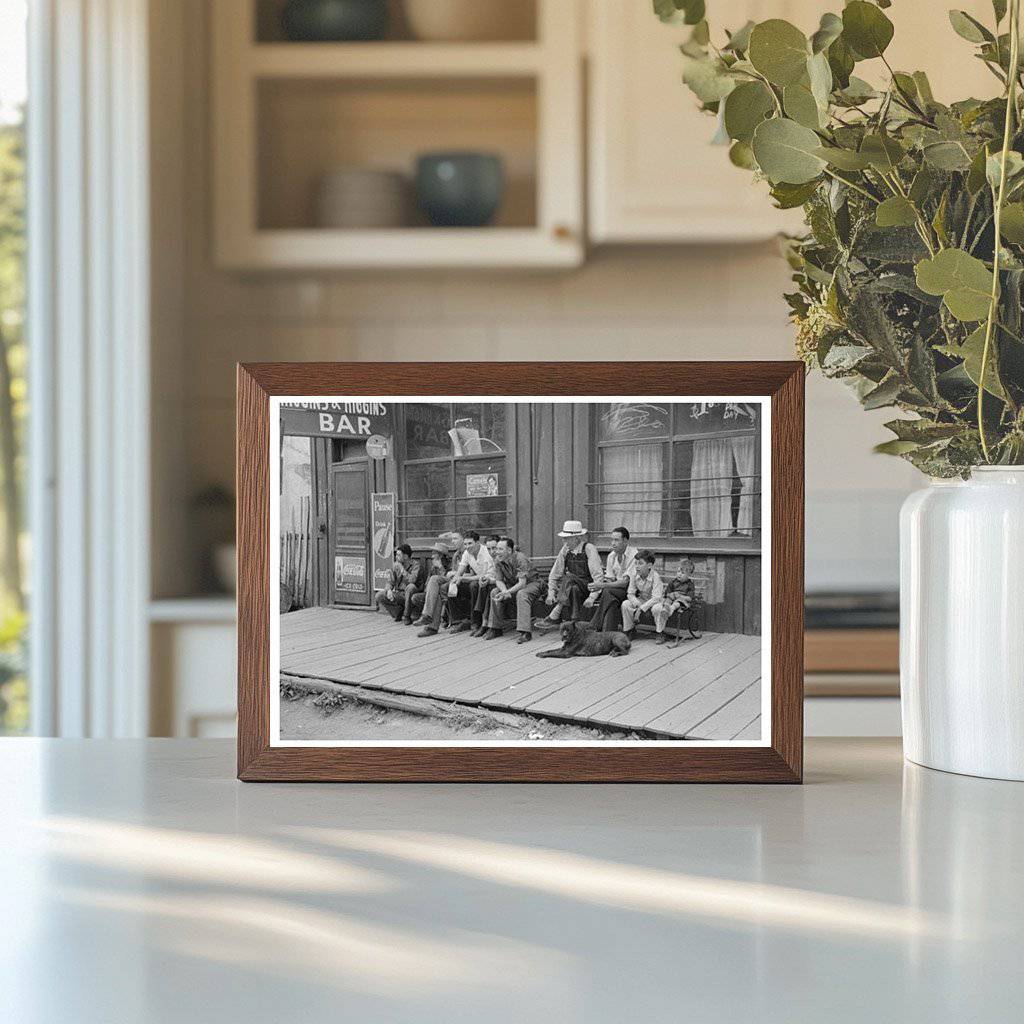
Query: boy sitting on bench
678 593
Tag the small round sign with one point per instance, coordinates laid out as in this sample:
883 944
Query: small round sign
377 447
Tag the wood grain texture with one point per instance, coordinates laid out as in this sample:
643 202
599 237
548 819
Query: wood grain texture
781 762
852 650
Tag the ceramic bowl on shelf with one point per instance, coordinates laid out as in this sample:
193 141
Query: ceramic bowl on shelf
460 189
362 197
334 21
470 20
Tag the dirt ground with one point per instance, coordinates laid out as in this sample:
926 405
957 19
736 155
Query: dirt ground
328 716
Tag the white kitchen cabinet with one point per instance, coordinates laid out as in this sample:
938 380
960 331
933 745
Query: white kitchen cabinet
653 175
286 114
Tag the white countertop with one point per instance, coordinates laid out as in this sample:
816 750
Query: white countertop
140 882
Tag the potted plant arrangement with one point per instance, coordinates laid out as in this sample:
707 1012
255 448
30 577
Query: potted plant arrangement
909 288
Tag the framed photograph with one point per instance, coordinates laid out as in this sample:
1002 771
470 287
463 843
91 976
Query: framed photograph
578 572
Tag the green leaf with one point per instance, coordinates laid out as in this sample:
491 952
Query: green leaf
787 151
840 61
963 281
971 351
885 394
857 91
741 155
819 74
883 152
993 166
1011 226
739 41
866 29
895 447
923 431
689 12
829 29
969 28
779 51
999 9
801 106
745 108
895 212
924 88
788 196
922 185
947 156
844 159
707 78
976 173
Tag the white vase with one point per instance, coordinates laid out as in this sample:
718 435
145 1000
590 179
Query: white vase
962 624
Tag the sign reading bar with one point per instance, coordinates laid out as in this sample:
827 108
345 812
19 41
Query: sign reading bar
349 420
382 529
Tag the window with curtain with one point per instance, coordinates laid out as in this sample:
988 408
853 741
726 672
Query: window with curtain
686 470
453 475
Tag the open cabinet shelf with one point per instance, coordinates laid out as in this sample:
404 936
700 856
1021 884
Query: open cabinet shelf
287 114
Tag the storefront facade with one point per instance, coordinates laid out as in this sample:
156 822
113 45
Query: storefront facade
684 478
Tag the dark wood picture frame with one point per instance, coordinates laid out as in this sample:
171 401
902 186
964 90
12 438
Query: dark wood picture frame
780 761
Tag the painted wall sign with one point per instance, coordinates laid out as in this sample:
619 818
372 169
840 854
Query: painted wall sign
350 574
382 530
377 447
349 420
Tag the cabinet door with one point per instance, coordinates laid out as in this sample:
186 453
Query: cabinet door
654 177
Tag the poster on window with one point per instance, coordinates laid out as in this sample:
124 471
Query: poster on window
350 574
481 485
382 530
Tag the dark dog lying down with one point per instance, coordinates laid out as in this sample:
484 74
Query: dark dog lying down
581 640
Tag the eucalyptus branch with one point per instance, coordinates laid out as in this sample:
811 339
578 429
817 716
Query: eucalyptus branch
1011 109
853 185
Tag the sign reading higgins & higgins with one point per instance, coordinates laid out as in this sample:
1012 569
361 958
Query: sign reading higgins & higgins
348 420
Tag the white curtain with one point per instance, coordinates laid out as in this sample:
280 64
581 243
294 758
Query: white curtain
634 488
744 452
711 487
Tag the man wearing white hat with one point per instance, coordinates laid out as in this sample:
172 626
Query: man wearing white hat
576 566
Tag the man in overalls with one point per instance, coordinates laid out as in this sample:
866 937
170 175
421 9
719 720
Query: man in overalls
576 566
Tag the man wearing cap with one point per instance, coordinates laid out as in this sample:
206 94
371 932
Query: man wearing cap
405 573
433 605
576 566
515 579
440 564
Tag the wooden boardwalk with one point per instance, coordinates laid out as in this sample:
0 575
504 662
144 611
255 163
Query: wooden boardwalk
703 689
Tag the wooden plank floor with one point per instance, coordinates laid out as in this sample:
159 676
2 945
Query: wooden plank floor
707 689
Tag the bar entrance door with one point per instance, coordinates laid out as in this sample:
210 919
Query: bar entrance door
350 505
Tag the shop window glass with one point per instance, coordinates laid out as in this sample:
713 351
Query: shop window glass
426 430
632 488
479 428
427 506
622 421
481 499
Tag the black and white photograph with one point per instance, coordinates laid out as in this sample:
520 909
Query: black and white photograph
520 571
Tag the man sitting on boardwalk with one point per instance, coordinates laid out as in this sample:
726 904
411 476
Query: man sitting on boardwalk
474 572
645 591
433 603
576 566
405 573
610 591
415 597
515 578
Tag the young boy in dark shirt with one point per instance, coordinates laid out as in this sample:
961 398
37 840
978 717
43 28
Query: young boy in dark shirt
678 593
